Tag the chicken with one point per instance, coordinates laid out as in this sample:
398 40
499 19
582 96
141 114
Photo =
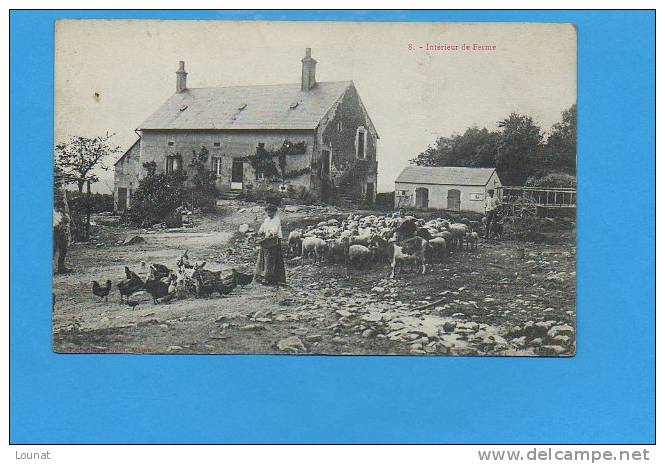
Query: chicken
101 292
158 287
131 284
161 270
207 282
241 278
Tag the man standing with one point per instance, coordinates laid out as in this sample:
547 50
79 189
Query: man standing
61 223
491 202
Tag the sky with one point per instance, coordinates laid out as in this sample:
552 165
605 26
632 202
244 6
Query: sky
110 75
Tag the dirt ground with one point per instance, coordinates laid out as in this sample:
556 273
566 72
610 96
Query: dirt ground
485 301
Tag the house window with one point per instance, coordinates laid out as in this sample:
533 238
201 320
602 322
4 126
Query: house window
217 165
339 126
173 164
361 142
171 143
216 144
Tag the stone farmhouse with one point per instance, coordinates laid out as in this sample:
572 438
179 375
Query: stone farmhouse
323 130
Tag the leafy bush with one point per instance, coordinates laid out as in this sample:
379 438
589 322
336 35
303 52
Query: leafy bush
203 192
156 197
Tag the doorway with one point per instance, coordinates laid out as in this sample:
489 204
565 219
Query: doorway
122 198
422 198
237 169
454 200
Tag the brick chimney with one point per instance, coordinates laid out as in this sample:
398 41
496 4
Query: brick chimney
181 80
308 71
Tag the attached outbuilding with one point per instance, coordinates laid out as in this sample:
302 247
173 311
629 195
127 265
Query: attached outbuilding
449 188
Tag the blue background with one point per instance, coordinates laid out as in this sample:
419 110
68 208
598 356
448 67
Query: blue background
605 394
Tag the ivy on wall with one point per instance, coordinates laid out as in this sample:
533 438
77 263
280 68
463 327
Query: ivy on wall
264 160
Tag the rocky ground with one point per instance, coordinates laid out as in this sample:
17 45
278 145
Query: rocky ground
488 301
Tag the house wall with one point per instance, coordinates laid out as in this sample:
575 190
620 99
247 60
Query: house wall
472 198
342 143
126 173
233 144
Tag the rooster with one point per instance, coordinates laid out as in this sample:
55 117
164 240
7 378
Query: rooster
101 292
131 284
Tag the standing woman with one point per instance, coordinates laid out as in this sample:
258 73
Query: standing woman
270 264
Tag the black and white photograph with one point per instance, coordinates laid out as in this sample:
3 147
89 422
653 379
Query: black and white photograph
331 188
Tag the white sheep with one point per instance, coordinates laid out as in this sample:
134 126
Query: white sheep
315 247
359 254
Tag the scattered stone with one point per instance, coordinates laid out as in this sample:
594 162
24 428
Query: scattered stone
564 329
244 228
136 239
291 345
250 327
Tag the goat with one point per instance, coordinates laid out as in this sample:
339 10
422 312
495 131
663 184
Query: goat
413 250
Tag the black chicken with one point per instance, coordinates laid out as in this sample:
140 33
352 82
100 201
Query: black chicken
158 287
101 292
161 271
242 279
131 284
209 282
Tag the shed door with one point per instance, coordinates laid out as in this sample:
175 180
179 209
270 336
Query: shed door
422 198
454 200
237 174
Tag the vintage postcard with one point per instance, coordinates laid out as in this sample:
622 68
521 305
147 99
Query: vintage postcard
315 188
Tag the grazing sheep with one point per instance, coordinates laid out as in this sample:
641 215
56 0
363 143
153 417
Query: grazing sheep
339 249
359 255
295 242
439 248
471 240
459 231
315 247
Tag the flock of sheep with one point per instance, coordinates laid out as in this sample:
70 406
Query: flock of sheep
397 240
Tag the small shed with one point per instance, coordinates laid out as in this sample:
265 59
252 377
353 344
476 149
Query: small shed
449 188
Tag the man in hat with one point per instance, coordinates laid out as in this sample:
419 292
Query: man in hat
491 203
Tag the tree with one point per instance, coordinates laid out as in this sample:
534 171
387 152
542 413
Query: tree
77 159
474 148
562 142
519 142
80 156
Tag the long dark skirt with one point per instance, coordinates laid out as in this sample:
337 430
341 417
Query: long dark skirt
270 265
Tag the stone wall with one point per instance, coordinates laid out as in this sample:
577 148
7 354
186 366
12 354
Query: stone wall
341 141
126 173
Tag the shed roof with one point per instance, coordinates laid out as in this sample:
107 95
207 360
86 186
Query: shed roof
282 106
445 175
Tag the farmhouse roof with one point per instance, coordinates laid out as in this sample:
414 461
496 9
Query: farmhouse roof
282 106
445 175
